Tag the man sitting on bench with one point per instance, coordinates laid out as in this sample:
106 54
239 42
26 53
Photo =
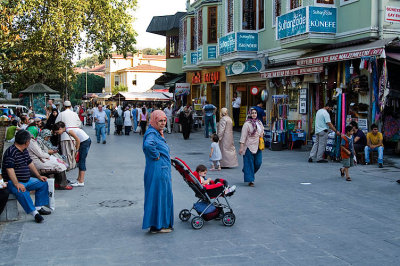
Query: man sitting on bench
374 143
17 167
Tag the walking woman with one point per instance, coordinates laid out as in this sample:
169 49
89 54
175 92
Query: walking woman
186 120
119 120
158 198
82 144
127 121
252 130
226 144
143 121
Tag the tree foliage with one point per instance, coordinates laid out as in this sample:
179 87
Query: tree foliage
38 38
119 88
89 61
95 84
151 51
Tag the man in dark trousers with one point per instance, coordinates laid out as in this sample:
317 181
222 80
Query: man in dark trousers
236 102
3 194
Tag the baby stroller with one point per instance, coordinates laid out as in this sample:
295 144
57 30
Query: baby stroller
209 206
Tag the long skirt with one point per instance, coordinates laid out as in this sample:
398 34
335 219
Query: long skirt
186 130
68 149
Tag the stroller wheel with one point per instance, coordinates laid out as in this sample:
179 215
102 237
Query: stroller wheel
228 219
184 215
197 222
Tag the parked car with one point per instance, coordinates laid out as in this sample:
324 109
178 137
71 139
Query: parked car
13 109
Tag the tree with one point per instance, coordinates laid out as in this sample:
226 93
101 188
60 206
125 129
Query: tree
39 37
151 51
95 84
89 61
119 88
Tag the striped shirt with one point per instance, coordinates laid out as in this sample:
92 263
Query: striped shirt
14 158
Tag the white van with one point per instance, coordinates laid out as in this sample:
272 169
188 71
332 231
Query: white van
23 108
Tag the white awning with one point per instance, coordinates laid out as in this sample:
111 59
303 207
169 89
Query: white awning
292 71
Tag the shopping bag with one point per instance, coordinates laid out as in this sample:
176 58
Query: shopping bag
52 201
261 144
138 129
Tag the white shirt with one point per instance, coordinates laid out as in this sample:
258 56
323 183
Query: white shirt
82 136
71 119
322 117
101 117
168 112
127 118
237 102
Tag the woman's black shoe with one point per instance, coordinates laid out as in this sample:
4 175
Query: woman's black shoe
44 212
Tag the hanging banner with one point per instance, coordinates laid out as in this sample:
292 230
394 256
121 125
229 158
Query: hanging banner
292 72
303 101
236 68
182 89
392 14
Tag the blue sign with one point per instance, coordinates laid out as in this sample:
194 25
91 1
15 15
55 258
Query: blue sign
200 54
322 19
184 59
247 42
212 52
291 24
227 44
236 68
193 58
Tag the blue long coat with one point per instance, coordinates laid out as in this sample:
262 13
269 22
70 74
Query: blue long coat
158 199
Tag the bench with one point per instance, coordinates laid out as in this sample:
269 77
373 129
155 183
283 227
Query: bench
10 212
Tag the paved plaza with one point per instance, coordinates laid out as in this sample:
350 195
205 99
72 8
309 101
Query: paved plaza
297 214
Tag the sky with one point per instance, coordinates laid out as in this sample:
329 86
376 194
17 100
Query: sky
145 11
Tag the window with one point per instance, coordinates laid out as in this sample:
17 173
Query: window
295 4
229 16
116 80
192 34
172 46
212 24
276 9
185 35
346 2
253 14
325 2
200 27
261 14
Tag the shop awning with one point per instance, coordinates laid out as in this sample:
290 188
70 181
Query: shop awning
292 71
143 96
374 48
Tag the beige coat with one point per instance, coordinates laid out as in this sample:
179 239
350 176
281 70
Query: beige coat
42 160
226 144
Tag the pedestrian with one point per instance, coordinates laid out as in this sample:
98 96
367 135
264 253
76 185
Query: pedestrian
81 114
3 194
374 143
143 121
127 121
260 111
226 143
135 120
215 153
347 152
322 124
100 118
168 113
186 120
82 142
360 140
108 113
119 120
208 113
252 131
158 199
236 102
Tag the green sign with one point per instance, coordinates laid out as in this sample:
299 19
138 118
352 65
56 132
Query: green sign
237 68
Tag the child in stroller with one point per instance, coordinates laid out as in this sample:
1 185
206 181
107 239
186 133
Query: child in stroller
209 205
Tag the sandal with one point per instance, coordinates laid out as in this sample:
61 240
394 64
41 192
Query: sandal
341 172
348 179
251 184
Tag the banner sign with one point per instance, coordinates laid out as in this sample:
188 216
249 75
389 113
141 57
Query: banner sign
200 54
227 44
247 42
184 59
303 101
193 58
307 19
339 57
392 14
292 72
212 52
182 89
237 68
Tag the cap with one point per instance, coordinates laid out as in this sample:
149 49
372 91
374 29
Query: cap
67 103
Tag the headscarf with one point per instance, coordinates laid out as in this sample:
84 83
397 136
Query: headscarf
45 133
187 110
52 119
156 116
252 121
224 112
119 110
34 131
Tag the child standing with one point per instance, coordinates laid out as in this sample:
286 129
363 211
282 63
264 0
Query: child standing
347 152
215 154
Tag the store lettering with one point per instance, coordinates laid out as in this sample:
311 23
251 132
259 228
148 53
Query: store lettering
212 77
196 79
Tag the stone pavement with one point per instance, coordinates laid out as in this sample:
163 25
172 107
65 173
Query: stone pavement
297 214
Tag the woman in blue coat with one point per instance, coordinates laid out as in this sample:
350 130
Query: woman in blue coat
158 199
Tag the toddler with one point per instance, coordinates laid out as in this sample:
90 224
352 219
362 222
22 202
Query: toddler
201 172
347 152
215 154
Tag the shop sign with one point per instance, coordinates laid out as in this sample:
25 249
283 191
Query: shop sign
392 14
227 44
304 20
211 77
292 72
184 59
182 89
339 57
363 124
247 42
303 101
254 90
236 68
196 79
200 54
193 58
212 52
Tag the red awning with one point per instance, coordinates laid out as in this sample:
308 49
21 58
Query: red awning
294 71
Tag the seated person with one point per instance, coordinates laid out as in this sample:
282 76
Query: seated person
3 194
10 133
200 174
17 167
360 140
45 162
374 143
44 141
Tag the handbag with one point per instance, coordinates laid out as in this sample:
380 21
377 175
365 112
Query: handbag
261 144
77 157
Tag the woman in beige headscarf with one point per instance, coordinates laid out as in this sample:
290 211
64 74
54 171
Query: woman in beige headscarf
226 144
